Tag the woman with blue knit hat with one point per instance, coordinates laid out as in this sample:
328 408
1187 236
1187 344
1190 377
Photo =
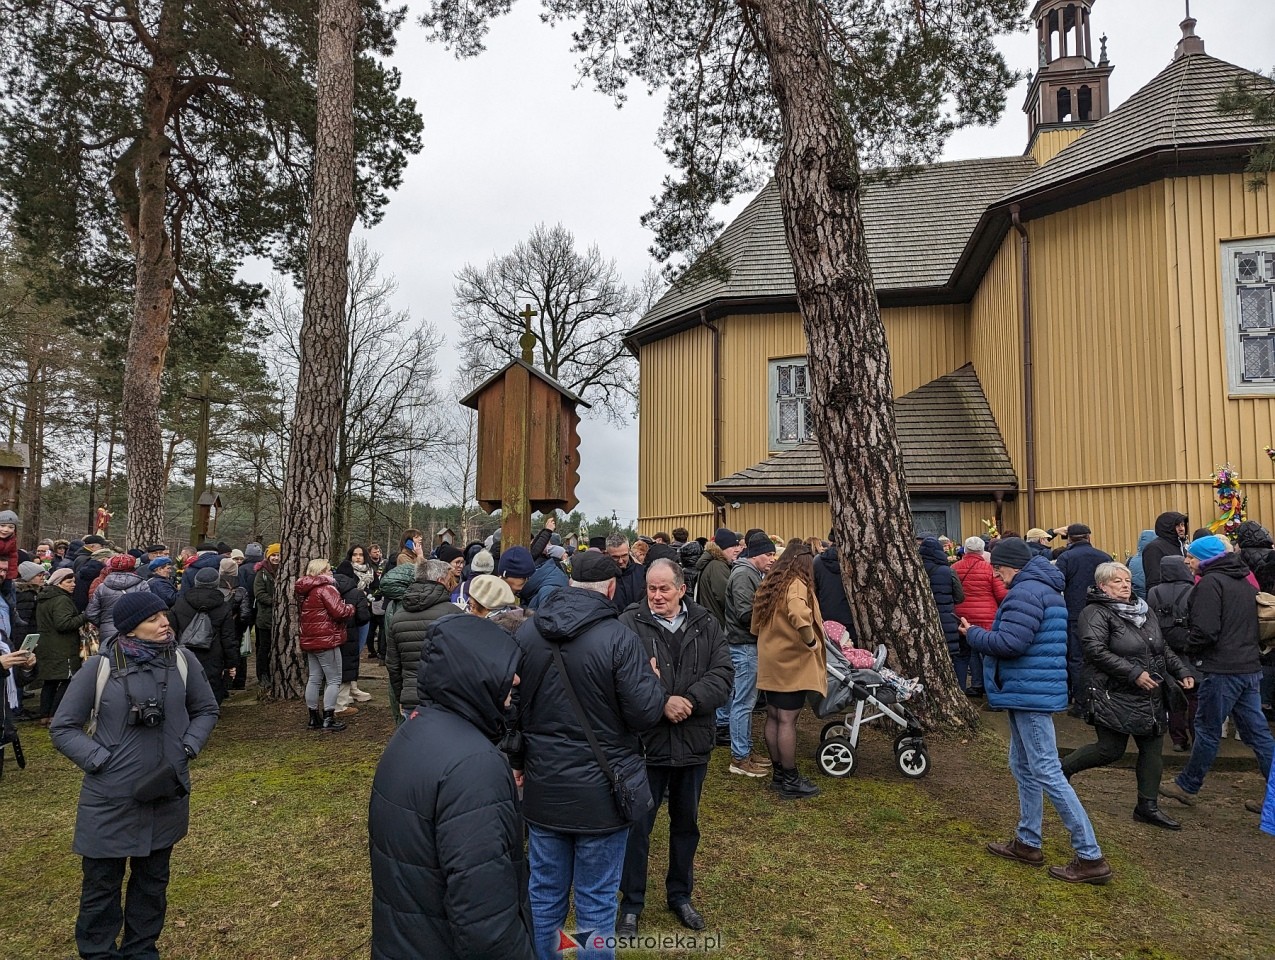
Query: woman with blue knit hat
153 716
1225 647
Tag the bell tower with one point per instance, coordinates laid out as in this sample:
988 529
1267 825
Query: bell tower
1070 89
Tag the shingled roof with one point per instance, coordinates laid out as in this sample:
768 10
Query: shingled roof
917 225
1176 111
945 415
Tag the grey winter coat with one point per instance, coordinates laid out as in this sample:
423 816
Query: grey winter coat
109 822
422 604
102 603
740 589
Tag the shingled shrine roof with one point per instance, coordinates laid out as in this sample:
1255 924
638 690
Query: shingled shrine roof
950 442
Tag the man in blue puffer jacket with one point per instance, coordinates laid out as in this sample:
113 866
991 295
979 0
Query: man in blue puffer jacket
1025 674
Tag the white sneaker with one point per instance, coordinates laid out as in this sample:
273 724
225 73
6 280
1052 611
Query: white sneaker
362 696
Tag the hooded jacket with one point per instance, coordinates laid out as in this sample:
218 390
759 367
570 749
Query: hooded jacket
712 570
944 586
1223 616
547 578
696 666
1167 543
1025 652
1169 601
102 603
58 623
224 650
740 590
1077 564
831 592
109 823
323 613
263 595
449 877
209 558
85 573
1257 550
1136 568
565 788
422 604
1117 651
984 590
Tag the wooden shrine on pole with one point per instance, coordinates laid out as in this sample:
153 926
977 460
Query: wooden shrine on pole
528 445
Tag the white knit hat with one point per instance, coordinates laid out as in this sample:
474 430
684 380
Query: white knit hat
975 545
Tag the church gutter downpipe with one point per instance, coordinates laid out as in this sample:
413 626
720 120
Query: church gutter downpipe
716 374
1029 386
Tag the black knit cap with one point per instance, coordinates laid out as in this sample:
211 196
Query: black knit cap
759 545
447 553
1011 552
598 543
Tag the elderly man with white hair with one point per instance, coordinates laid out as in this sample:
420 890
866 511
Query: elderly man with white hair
984 592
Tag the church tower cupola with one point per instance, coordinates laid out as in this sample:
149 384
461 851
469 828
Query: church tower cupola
1070 87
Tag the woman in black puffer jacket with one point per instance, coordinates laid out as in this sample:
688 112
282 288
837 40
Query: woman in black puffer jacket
1128 664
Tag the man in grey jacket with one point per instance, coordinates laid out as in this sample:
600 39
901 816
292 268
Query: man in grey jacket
745 576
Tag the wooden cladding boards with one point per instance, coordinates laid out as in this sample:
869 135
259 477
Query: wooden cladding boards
1209 426
925 343
995 344
1047 144
675 429
1104 372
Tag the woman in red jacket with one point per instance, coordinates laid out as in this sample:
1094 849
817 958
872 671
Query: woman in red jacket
984 592
323 617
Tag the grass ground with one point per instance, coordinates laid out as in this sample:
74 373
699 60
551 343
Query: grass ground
275 865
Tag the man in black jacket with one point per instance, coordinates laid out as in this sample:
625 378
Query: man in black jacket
1224 647
445 835
577 836
831 591
1078 564
1170 541
694 661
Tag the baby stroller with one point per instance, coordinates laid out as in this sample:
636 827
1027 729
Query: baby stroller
860 696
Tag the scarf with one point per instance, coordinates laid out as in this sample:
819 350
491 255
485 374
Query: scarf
142 651
363 574
11 681
1135 613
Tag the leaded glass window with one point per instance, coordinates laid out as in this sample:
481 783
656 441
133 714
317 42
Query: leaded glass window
790 417
1248 284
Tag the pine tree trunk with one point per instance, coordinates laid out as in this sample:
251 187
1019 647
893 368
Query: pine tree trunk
307 494
141 187
818 177
33 437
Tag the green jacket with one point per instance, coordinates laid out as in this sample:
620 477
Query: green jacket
58 623
393 587
263 594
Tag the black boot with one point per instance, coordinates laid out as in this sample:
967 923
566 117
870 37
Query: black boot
330 722
794 786
1148 811
776 777
316 719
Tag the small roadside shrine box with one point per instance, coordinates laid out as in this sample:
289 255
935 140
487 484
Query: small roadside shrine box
14 460
528 447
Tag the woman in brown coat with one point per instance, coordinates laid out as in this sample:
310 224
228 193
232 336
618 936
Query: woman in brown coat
791 661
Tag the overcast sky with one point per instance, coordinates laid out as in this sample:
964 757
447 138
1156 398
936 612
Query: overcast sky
510 140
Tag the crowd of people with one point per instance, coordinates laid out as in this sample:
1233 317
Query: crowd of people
549 703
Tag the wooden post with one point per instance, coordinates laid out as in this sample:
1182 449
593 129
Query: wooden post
515 508
198 520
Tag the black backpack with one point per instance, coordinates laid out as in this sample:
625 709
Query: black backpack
1171 612
198 634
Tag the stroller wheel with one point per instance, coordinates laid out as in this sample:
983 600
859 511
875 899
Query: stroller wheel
834 728
836 757
913 761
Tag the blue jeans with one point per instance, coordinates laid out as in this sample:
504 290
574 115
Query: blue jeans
1034 761
363 632
976 670
743 657
589 862
1223 695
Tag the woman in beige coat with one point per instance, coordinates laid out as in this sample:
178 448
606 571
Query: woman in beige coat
790 659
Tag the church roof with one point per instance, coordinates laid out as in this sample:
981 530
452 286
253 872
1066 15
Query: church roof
910 247
1176 111
945 415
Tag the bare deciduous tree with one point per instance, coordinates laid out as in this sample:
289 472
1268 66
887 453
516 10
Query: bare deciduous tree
582 309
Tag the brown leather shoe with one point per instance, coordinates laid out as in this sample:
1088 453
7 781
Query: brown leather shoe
1019 851
1080 870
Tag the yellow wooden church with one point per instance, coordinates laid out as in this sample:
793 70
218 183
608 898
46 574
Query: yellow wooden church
1081 333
